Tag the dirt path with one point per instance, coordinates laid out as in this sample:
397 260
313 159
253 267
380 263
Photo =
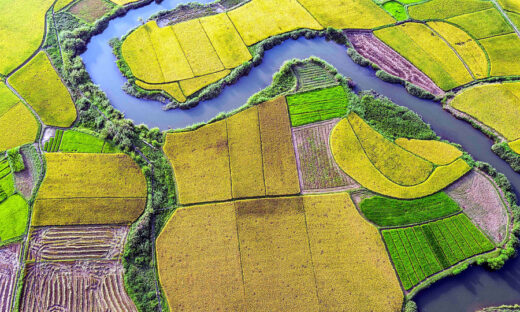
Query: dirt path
504 14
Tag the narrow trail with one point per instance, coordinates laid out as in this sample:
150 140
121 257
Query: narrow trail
504 14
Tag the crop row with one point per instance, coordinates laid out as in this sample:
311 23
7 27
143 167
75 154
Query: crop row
53 145
313 76
9 265
421 251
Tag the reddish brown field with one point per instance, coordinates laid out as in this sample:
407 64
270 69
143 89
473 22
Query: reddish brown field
9 266
75 286
390 61
480 199
77 242
317 169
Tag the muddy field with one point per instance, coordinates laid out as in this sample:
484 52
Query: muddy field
9 265
317 169
76 242
25 179
75 286
390 61
478 196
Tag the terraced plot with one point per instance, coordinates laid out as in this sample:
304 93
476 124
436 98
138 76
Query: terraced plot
420 251
9 266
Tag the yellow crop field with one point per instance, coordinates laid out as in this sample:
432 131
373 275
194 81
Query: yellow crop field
7 99
171 88
39 84
198 259
515 146
23 26
245 154
490 23
510 5
123 2
260 19
168 51
495 105
280 172
364 14
201 55
418 44
230 48
60 4
467 48
395 163
200 161
276 260
90 189
139 54
350 259
18 126
437 152
441 9
193 85
351 158
503 52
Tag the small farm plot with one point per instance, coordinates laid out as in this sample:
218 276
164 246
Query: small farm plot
388 212
444 153
318 105
9 266
420 251
316 166
75 286
503 52
490 23
173 89
13 217
482 202
90 10
441 9
313 76
84 188
39 84
73 141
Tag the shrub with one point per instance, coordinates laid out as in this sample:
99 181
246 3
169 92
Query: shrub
15 159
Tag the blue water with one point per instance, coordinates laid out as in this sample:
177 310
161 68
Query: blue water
475 288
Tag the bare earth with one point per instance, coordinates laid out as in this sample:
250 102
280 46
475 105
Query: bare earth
9 266
479 198
390 61
24 179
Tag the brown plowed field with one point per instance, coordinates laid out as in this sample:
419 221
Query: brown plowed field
316 166
75 286
76 242
9 265
390 61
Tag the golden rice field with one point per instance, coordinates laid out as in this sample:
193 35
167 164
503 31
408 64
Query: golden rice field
396 164
418 44
310 253
39 84
503 52
491 23
7 99
350 156
192 85
18 126
22 24
171 88
260 19
510 5
90 189
364 14
123 2
437 152
60 4
495 105
468 49
515 146
441 9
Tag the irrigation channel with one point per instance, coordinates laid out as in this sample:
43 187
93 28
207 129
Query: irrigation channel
468 291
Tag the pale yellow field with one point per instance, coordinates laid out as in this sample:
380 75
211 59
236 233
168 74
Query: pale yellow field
515 146
22 25
511 5
230 48
245 154
198 259
193 85
495 105
280 172
437 152
199 52
60 4
260 19
39 84
171 88
7 99
18 126
395 163
349 155
467 48
503 52
353 271
200 161
123 2
341 14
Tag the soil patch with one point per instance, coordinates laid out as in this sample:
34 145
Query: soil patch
25 179
9 266
90 10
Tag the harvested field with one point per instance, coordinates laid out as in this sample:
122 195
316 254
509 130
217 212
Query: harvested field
313 76
441 9
9 266
316 166
75 286
25 179
90 10
503 52
483 202
102 242
390 61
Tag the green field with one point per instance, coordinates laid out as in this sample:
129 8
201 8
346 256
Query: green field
13 217
388 212
73 141
397 10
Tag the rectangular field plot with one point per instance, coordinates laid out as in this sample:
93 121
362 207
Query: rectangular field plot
316 165
9 266
441 9
313 76
503 53
75 286
420 251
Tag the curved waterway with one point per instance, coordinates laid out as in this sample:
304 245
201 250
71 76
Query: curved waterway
472 289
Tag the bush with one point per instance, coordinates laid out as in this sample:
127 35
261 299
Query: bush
381 74
357 58
506 153
418 92
15 159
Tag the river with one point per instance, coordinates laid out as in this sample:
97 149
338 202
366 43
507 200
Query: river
472 289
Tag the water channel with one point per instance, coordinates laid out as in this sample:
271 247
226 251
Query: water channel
472 289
